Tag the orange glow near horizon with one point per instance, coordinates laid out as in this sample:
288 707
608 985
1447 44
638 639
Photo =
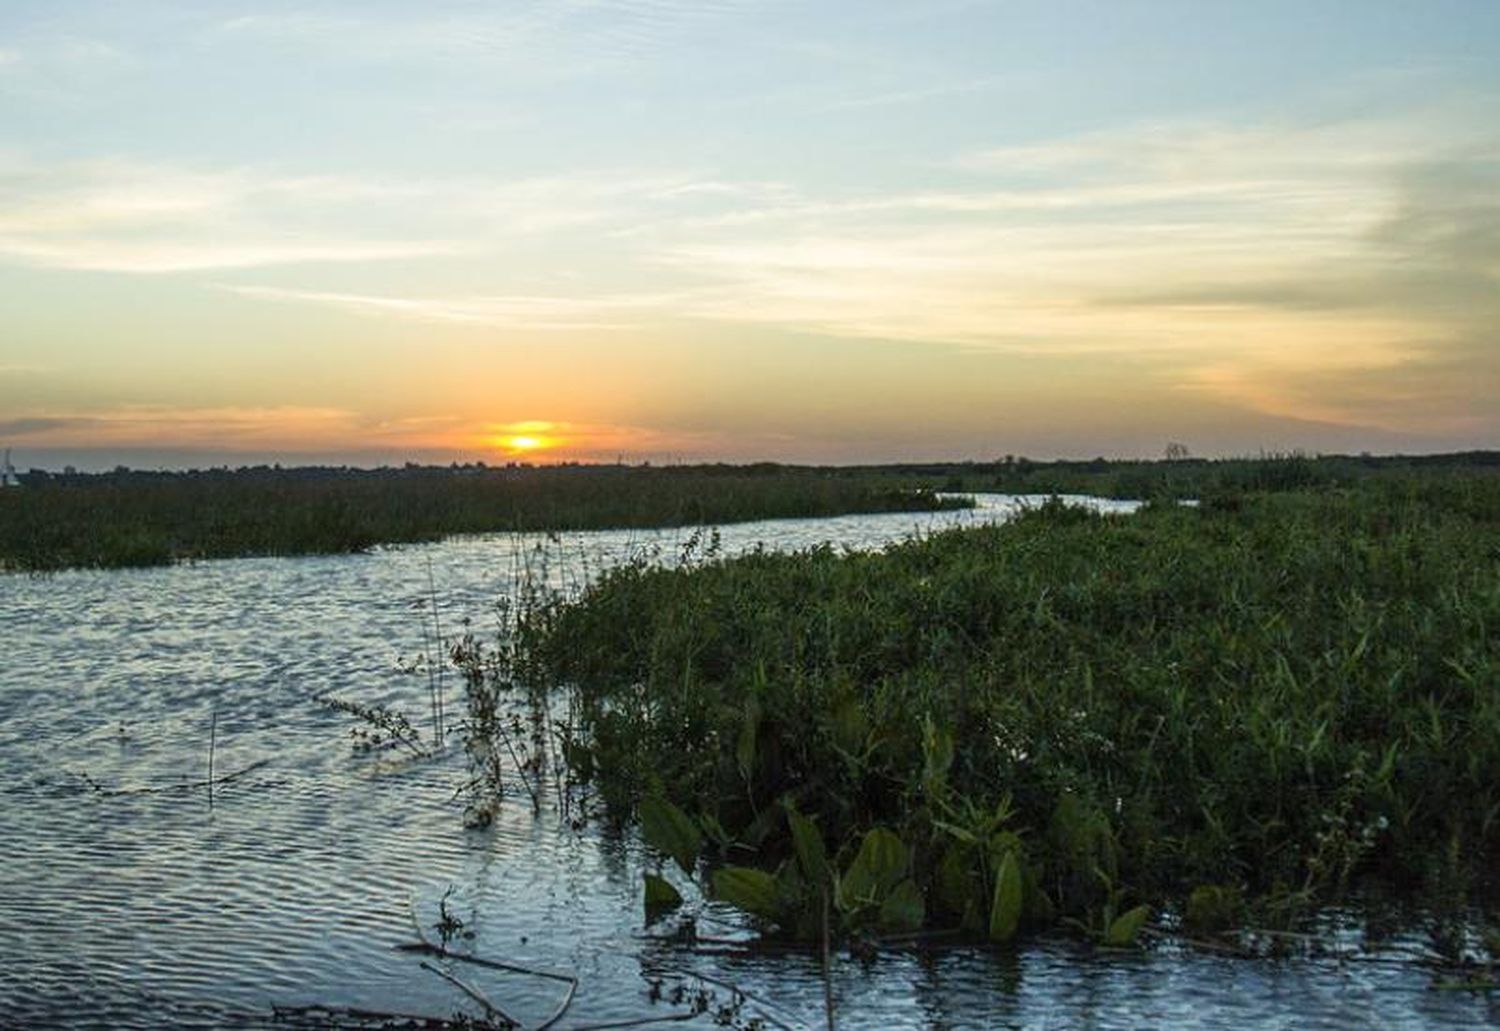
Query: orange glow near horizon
525 439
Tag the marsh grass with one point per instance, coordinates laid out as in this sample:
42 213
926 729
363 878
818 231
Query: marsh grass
1238 711
519 731
1186 477
142 519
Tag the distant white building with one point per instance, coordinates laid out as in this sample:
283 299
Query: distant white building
8 472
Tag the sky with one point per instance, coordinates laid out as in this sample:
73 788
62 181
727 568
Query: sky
714 230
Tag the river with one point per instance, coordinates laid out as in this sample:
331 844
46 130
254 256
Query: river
126 903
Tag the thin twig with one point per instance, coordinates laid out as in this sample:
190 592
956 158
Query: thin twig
766 1009
423 944
490 1009
170 788
435 685
322 1016
213 727
827 967
416 925
562 1007
639 1022
536 800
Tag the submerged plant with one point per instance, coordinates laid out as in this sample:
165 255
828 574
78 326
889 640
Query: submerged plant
378 727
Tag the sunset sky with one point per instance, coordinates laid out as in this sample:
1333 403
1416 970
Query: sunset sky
678 231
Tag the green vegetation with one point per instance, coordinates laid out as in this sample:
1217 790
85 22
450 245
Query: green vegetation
1252 706
142 519
129 518
1185 477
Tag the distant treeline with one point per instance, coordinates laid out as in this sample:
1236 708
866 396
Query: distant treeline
1130 477
132 518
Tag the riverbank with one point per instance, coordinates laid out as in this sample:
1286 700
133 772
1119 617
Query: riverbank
1235 712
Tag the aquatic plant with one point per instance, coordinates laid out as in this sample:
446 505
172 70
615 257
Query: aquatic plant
1256 704
378 727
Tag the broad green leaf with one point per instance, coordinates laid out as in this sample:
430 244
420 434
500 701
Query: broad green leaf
955 831
744 747
879 865
1069 824
850 728
747 889
1038 908
1080 833
668 829
808 840
766 823
1126 927
903 909
1212 907
660 894
1003 842
1005 908
954 881
714 830
937 757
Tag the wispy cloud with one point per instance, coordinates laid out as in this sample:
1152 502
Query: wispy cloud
150 425
291 430
191 256
1257 265
36 424
131 217
1261 264
532 312
128 217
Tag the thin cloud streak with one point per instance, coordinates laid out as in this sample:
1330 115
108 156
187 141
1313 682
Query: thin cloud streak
533 312
147 425
231 431
124 216
155 258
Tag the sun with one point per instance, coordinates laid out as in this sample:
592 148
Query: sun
522 439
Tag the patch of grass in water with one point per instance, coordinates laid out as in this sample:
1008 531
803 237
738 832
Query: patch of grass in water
1241 709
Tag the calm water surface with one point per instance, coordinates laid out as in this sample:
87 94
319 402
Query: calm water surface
147 908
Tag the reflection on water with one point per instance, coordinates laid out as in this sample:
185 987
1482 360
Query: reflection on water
146 908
